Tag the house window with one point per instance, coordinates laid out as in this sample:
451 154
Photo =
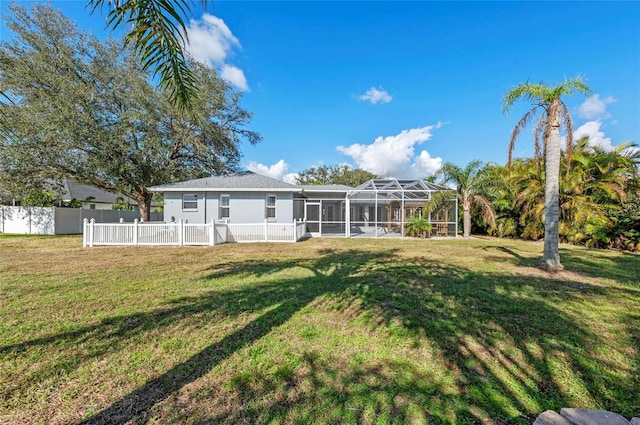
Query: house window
271 206
189 201
224 206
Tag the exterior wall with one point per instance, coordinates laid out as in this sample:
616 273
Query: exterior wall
96 205
173 208
250 207
244 207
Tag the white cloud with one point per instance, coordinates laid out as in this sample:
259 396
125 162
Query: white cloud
596 136
392 156
276 171
594 108
235 76
374 96
425 165
211 42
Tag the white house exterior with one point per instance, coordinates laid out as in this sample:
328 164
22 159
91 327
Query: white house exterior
378 208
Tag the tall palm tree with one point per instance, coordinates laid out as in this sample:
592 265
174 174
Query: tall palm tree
554 115
157 30
473 183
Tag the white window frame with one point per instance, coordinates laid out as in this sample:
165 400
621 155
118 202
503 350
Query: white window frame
187 204
222 208
271 208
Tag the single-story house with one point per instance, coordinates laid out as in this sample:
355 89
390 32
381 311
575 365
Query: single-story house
91 197
378 208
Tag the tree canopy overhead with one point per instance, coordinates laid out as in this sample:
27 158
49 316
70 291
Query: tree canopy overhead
86 108
335 174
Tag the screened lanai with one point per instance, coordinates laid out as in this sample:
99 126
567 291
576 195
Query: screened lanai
381 208
378 208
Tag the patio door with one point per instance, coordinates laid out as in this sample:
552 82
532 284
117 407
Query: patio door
312 216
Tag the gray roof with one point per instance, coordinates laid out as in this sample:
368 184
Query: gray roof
71 190
245 181
325 187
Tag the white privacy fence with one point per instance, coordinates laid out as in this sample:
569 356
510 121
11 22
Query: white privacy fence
58 221
181 233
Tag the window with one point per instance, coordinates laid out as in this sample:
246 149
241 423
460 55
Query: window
271 206
189 201
224 206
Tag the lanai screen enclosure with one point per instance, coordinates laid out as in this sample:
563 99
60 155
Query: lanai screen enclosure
378 208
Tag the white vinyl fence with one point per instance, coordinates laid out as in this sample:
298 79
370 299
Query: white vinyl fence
58 221
181 233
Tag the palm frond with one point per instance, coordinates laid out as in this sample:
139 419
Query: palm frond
488 213
157 28
566 122
518 129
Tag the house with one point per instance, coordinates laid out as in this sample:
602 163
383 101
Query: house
378 208
90 196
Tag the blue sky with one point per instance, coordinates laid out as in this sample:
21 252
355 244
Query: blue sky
400 87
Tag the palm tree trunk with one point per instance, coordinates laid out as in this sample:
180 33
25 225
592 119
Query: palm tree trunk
466 217
551 256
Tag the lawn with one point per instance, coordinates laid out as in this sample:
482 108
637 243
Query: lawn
322 331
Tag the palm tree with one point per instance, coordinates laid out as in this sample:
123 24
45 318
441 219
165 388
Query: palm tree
158 31
554 115
473 183
598 183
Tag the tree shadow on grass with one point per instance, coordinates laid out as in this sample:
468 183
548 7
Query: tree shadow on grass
623 267
332 272
512 345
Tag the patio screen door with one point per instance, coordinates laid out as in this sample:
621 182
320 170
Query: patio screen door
312 214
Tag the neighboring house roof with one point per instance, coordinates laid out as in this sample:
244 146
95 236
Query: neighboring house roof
82 192
245 181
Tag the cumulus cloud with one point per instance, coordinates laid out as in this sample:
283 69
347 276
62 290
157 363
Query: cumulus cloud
235 76
212 42
594 108
276 171
395 156
374 95
596 135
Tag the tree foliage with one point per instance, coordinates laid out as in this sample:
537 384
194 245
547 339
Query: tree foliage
598 195
336 174
554 115
157 31
474 184
85 108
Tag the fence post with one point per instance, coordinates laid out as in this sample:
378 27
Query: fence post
212 233
84 233
181 233
295 230
135 232
265 231
91 228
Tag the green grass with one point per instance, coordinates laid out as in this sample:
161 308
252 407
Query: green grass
323 331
